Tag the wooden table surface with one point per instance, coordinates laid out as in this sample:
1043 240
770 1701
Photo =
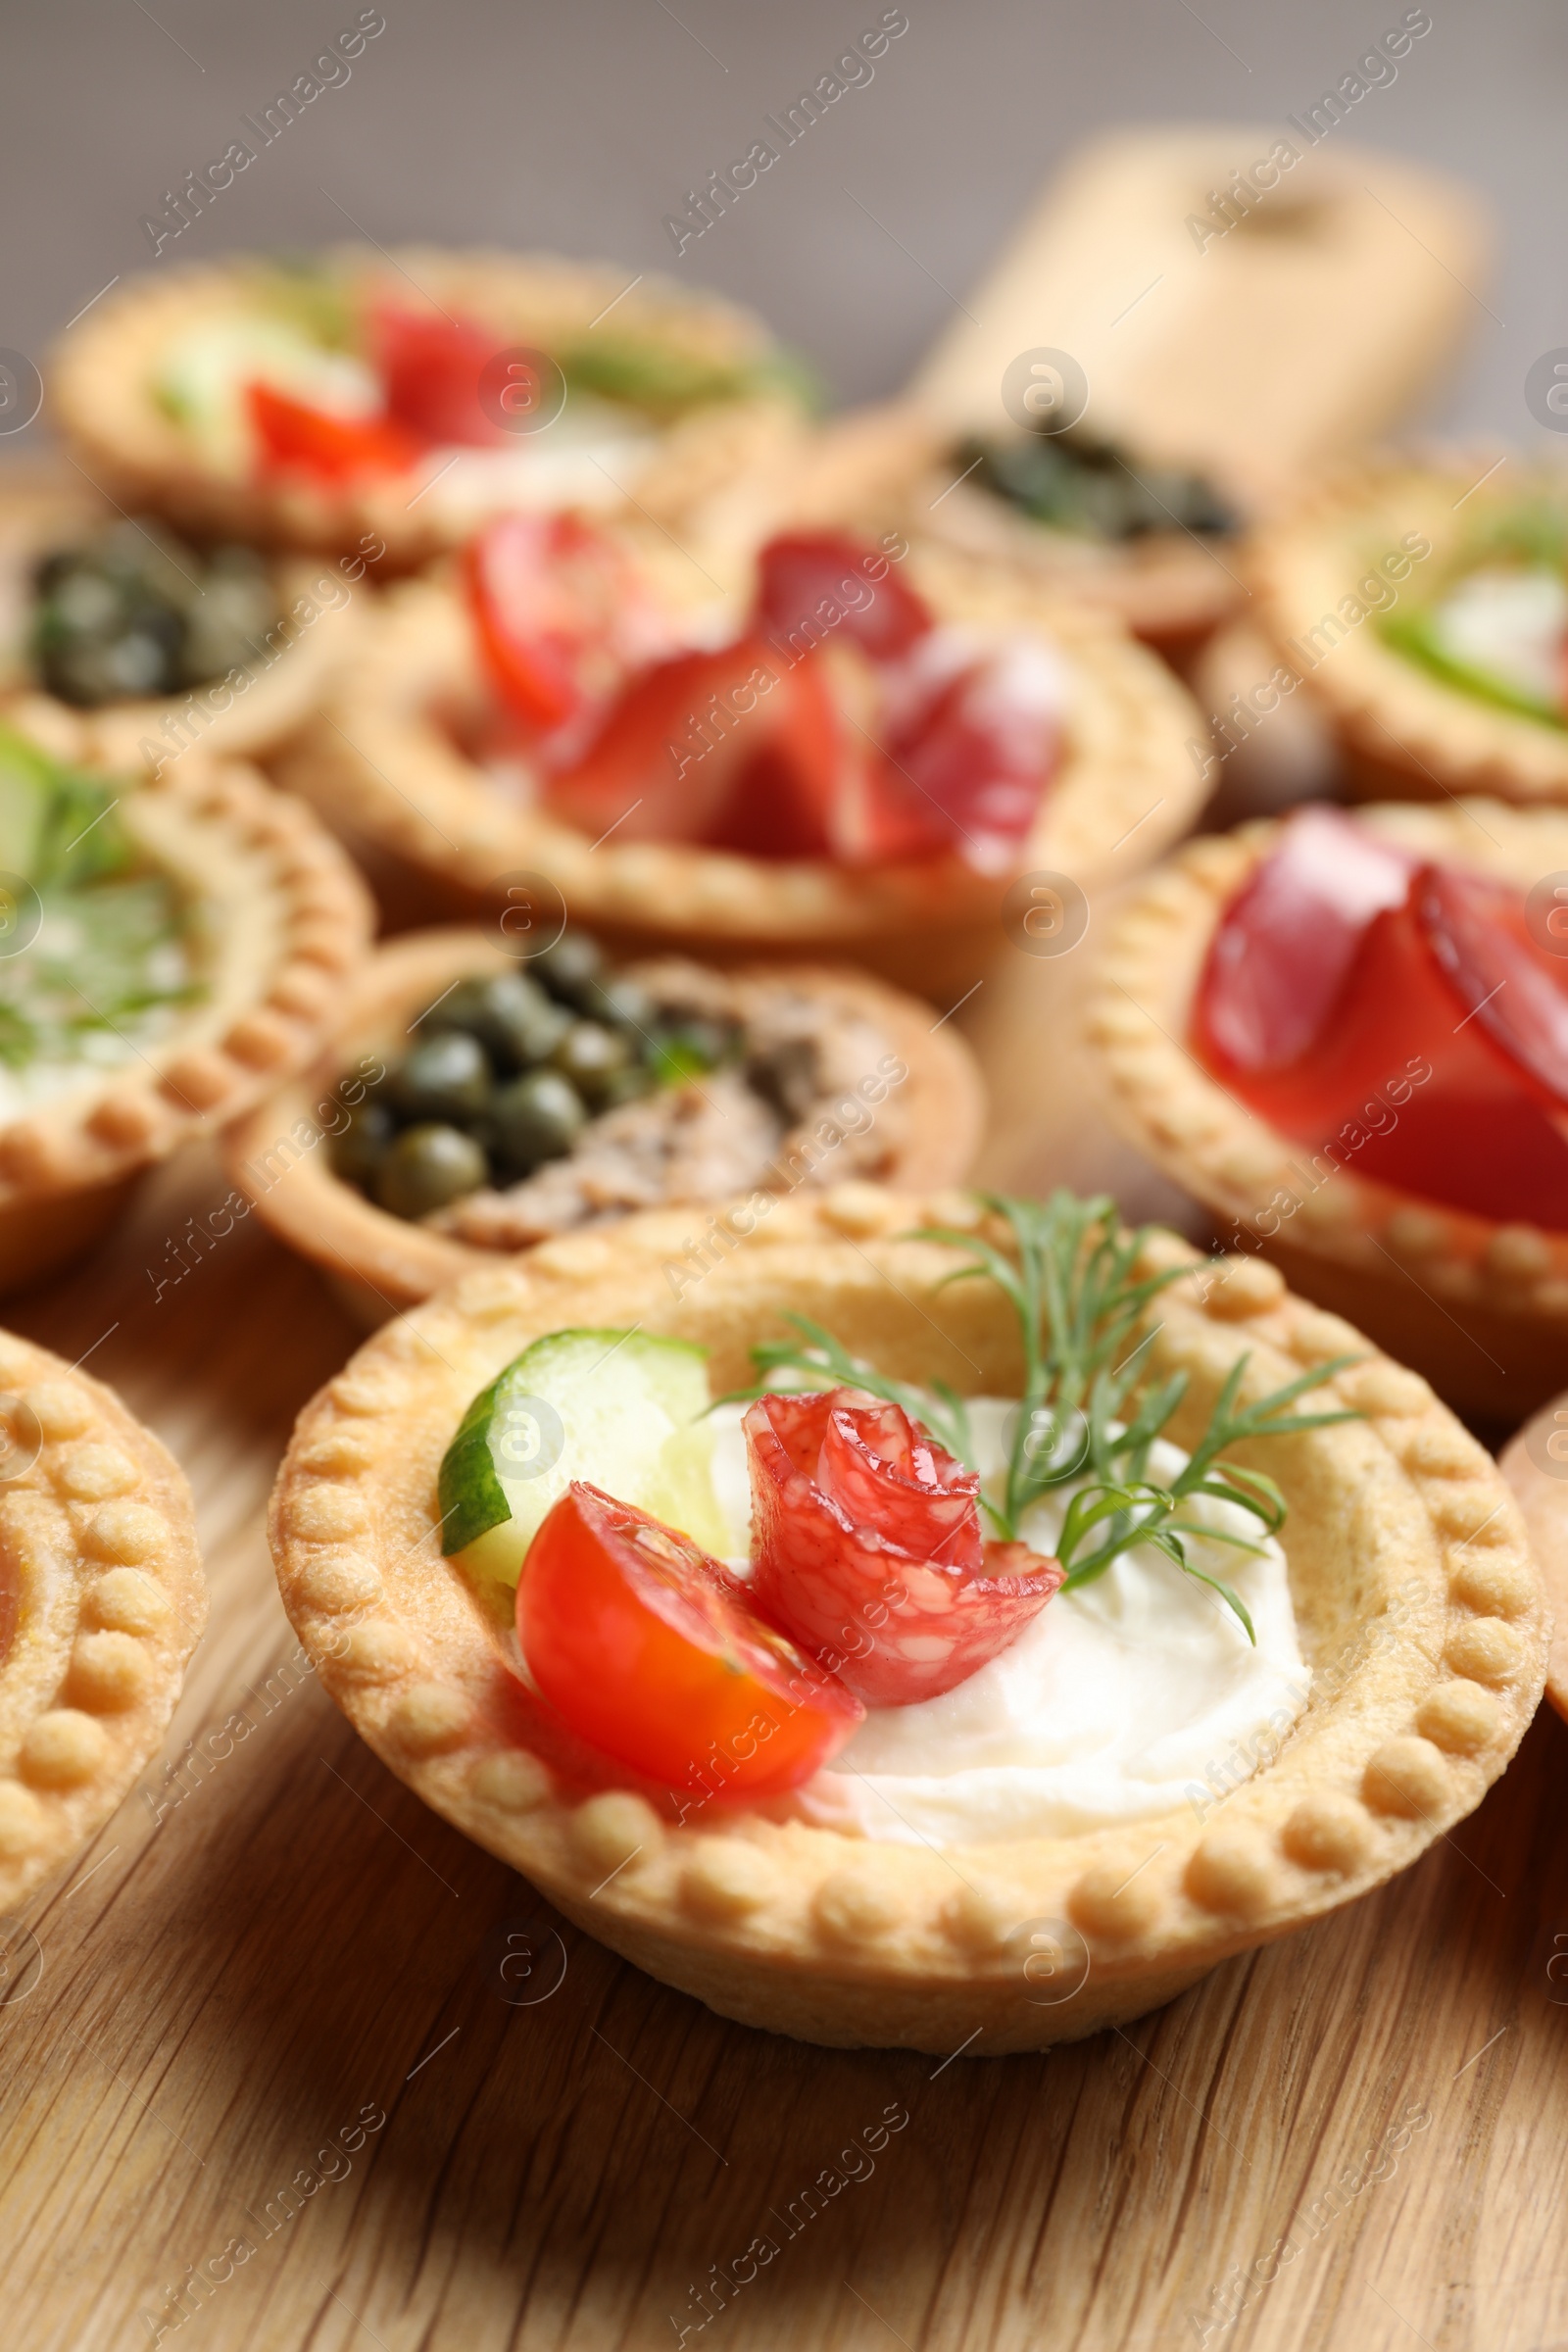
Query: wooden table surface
285 2062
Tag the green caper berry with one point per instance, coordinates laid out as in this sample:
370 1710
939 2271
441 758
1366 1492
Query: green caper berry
535 1118
443 1077
627 1085
426 1167
590 1056
510 1014
570 966
359 1148
620 1004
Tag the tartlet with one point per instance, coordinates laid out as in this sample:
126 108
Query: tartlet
1479 1303
384 764
238 718
1420 1611
271 918
104 386
1409 526
380 1264
103 1602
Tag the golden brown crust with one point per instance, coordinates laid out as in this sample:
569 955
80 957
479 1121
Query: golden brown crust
379 764
285 920
1418 1607
387 1263
102 1577
1482 1307
42 513
1535 1466
102 385
1405 730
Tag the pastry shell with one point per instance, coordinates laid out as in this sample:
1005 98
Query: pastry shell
102 387
385 770
285 918
1404 732
380 1263
285 684
1481 1308
1418 1604
102 1601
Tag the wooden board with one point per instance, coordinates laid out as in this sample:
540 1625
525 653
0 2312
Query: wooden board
1250 342
219 1995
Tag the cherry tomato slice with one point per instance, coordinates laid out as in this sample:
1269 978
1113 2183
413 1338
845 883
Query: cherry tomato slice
1286 940
816 583
868 1549
294 438
652 1652
560 614
431 367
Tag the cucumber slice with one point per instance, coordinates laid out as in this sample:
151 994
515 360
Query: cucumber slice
202 378
26 792
621 1410
56 825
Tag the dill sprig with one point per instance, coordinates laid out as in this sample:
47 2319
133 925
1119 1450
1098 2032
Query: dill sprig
1088 1413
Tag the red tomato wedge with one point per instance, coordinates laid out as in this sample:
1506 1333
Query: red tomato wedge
431 367
650 1652
293 438
561 613
814 582
1286 942
867 1547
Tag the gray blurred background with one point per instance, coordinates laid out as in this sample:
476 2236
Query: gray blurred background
580 126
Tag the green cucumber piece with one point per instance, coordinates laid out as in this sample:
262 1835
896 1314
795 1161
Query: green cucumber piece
1416 636
621 1410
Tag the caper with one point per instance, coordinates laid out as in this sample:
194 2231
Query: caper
627 1085
535 1118
590 1056
426 1167
509 1013
570 966
442 1077
620 1004
359 1148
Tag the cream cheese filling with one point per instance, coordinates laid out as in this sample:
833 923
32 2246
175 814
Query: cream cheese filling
1131 1697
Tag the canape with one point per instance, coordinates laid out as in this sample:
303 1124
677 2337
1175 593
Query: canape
410 394
102 1600
853 747
1250 1621
474 1102
1424 607
152 646
1348 1036
169 947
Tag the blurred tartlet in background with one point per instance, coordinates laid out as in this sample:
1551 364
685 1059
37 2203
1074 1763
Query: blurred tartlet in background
1423 604
475 1101
145 646
169 947
853 747
304 402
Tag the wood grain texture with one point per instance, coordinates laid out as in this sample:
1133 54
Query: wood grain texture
296 1947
